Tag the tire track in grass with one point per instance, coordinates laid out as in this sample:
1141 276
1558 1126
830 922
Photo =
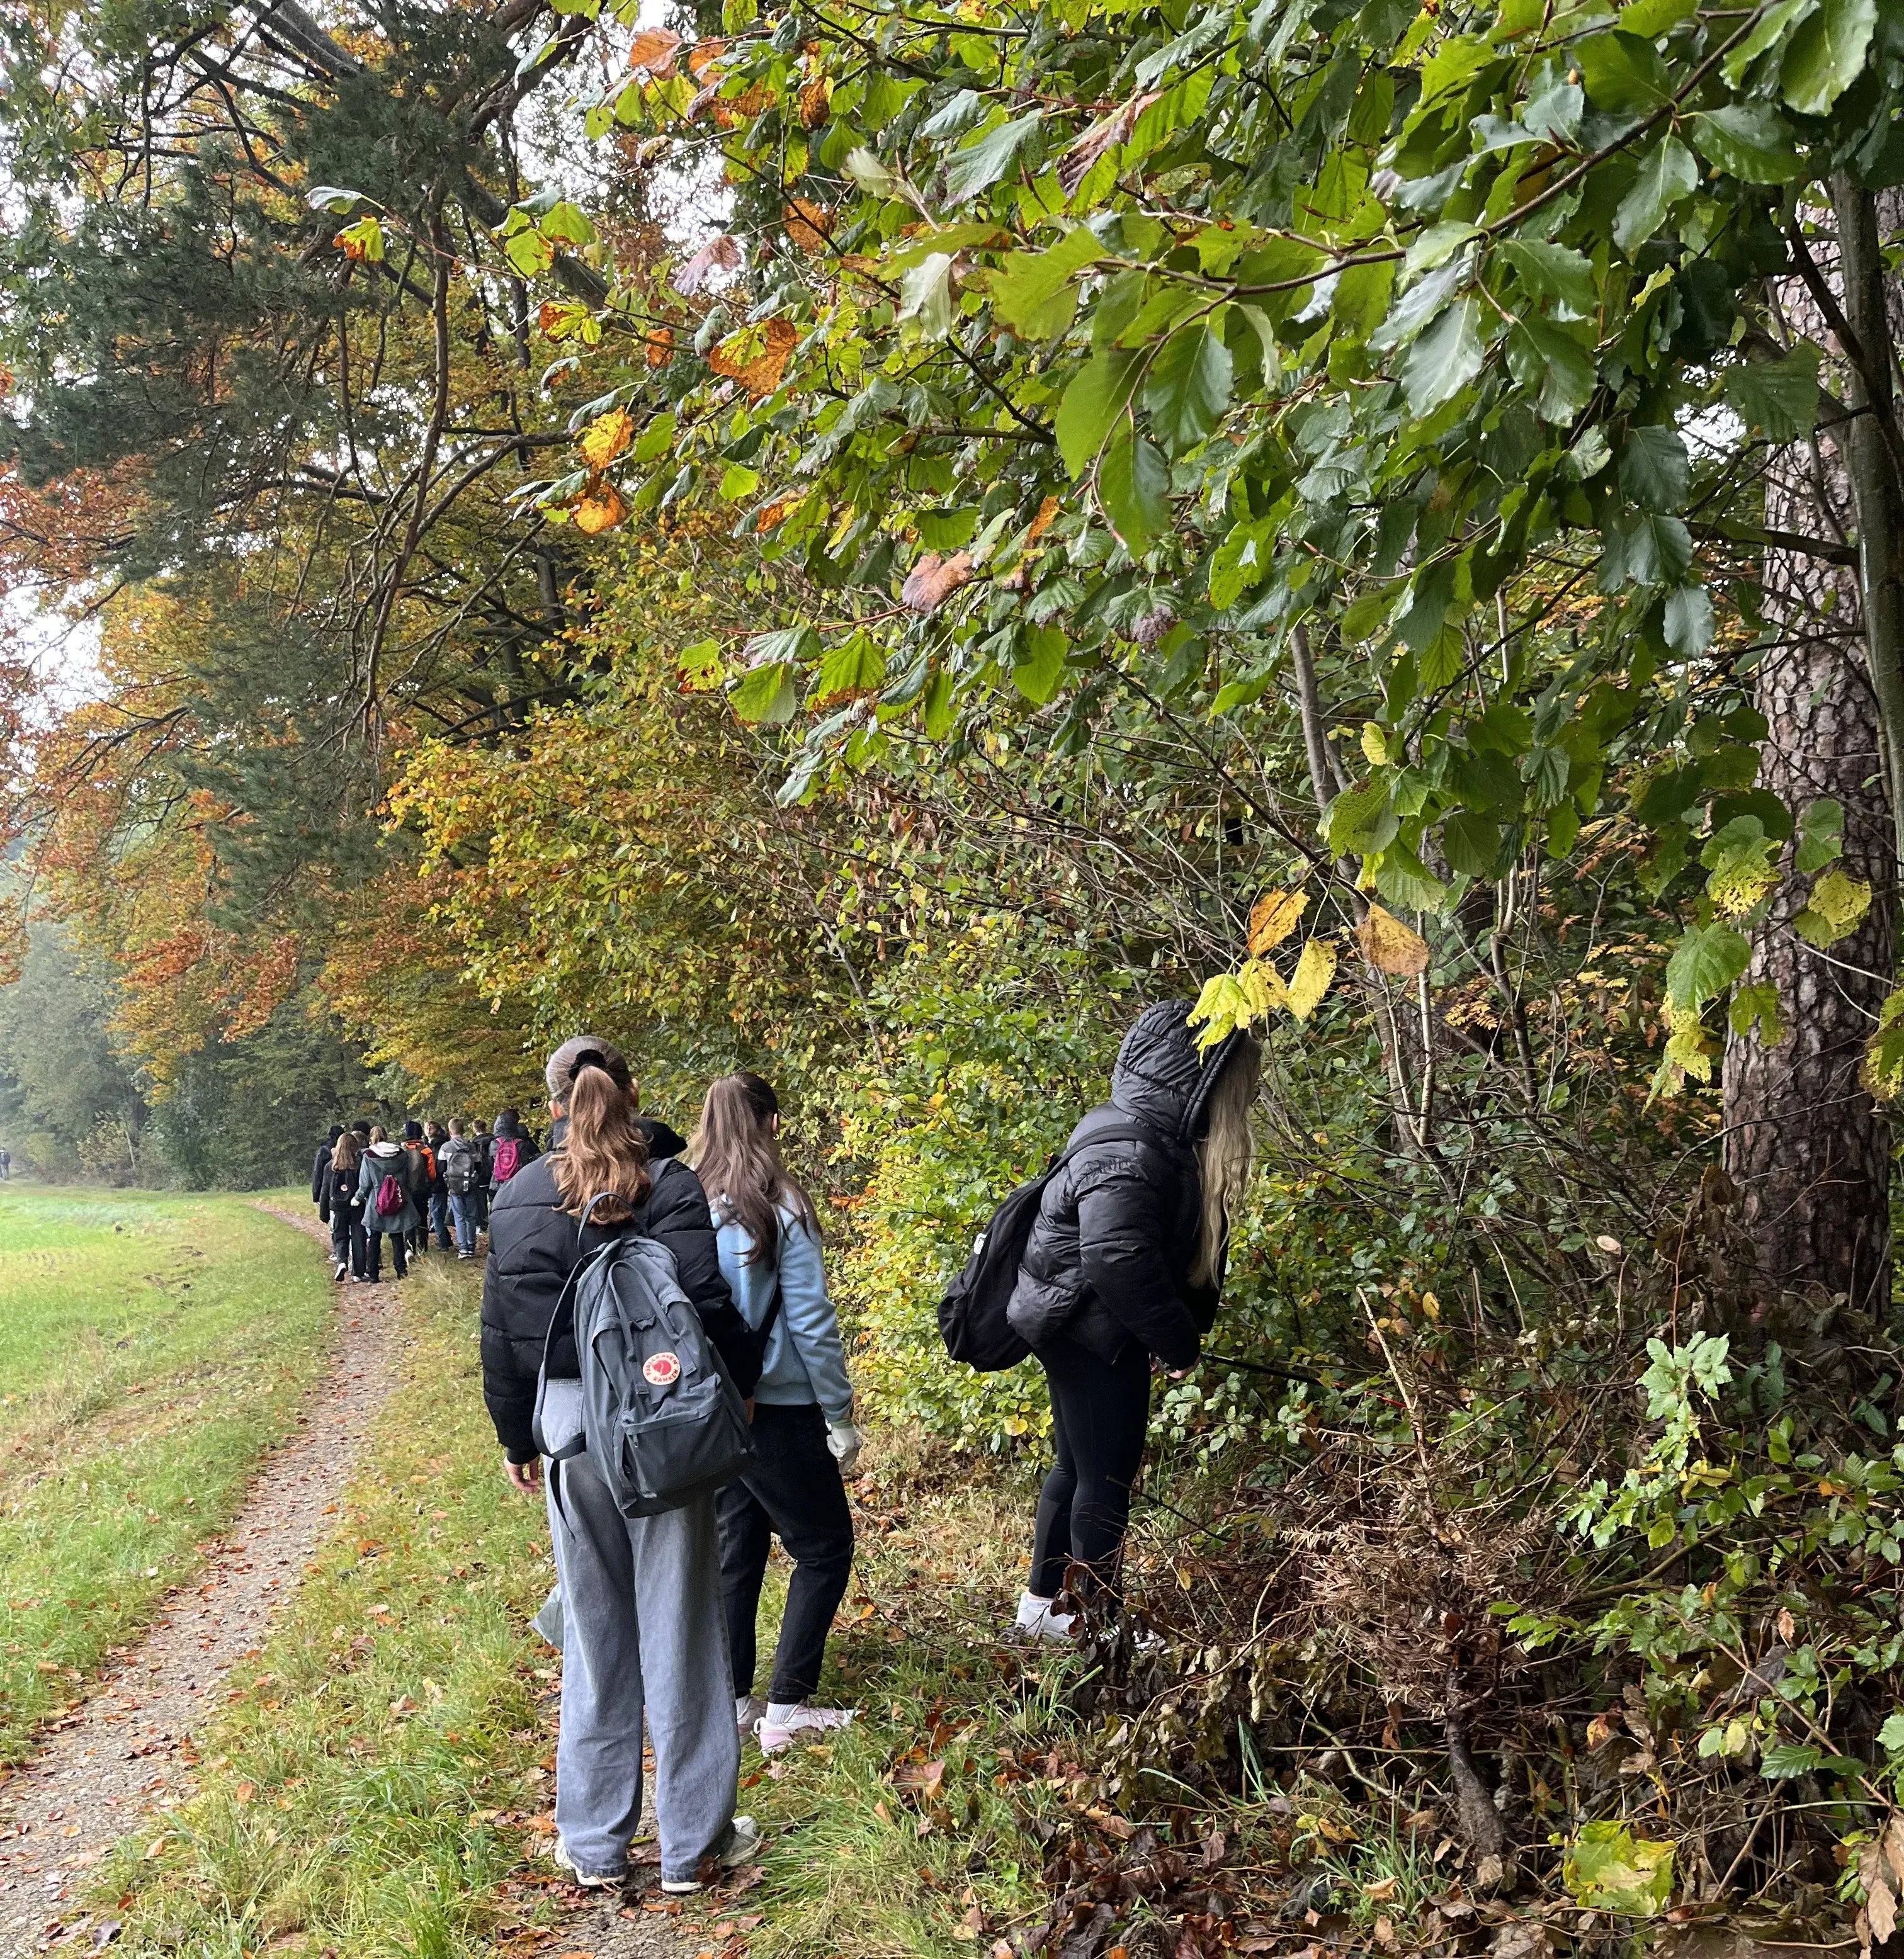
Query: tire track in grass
126 1753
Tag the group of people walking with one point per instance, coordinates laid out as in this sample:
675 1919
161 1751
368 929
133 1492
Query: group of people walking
432 1182
1121 1275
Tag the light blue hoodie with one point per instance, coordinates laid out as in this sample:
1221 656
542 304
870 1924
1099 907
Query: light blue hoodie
806 1361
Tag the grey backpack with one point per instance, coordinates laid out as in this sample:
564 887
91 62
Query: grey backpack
662 1422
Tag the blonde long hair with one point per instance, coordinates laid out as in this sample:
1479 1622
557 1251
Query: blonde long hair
736 1154
1224 1155
348 1152
603 1153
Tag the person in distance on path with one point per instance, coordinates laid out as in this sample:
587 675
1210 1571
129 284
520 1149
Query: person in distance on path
803 1431
386 1163
643 1633
346 1206
1125 1264
459 1167
320 1174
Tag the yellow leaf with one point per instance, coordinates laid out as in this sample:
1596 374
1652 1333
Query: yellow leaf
1273 919
607 437
1389 946
1374 743
1263 988
1314 972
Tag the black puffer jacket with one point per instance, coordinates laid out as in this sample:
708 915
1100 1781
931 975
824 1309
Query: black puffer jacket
534 1244
1109 1258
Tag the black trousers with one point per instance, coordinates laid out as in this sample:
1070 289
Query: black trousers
374 1254
347 1240
791 1490
1099 1415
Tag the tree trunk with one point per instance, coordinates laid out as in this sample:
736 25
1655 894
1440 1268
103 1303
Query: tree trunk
1808 1148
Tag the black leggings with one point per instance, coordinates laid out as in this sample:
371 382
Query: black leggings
1099 1414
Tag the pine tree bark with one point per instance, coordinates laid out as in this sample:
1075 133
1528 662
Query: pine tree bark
1806 1145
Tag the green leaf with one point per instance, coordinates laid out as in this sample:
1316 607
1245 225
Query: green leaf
1446 357
1553 367
1608 1869
1757 1006
1706 961
766 694
1653 471
1188 386
1827 55
1360 821
1034 293
1838 906
1667 173
857 666
1133 487
1761 36
1778 398
1821 835
1890 1736
1471 843
569 223
1406 881
925 295
1689 620
1784 1760
1038 674
1439 244
1241 561
1098 394
1623 74
980 163
1555 272
1750 141
936 705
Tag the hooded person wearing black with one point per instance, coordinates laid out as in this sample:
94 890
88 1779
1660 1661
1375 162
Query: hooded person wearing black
1125 1263
320 1174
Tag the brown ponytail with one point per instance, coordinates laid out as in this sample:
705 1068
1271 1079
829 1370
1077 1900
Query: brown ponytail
603 1153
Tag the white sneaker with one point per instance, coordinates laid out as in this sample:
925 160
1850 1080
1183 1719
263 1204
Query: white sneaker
742 1844
1036 1618
588 1880
780 1727
342 1268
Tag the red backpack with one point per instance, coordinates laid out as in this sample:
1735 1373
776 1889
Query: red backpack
391 1198
508 1160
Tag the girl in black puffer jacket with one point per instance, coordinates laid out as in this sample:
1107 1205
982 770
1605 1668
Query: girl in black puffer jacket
1125 1263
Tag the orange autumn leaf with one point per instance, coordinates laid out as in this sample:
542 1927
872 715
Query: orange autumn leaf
808 224
606 437
702 55
601 509
755 358
1047 512
815 99
771 513
742 109
550 315
658 342
654 48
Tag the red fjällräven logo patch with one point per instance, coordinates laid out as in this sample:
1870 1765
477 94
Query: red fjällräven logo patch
661 1371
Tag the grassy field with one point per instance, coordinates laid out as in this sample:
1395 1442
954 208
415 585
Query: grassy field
150 1348
383 1784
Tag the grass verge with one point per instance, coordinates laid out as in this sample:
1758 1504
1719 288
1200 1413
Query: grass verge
152 1348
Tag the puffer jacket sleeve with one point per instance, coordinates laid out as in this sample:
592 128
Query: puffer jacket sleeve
1122 1258
678 1218
812 1323
508 1392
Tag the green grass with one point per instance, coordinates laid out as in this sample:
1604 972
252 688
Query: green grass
150 1348
381 1782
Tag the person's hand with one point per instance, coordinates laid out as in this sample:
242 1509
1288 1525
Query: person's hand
844 1442
527 1477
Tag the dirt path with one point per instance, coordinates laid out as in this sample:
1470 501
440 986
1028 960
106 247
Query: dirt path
129 1751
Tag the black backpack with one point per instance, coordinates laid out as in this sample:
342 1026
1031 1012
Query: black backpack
971 1316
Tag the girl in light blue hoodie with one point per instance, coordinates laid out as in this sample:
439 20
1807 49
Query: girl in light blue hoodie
804 1437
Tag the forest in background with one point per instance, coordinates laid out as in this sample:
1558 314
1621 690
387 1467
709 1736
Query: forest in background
868 540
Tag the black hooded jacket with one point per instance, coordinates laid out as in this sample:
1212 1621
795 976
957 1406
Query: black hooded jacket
1109 1258
534 1244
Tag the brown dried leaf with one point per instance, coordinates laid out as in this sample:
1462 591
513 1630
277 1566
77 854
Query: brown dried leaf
755 359
1075 164
658 343
815 98
808 224
1880 1906
1273 918
702 54
654 48
719 250
1047 512
1389 946
933 579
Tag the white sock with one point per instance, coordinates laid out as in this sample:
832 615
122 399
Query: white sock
742 1702
778 1713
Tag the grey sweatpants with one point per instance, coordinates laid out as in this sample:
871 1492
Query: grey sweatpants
643 1630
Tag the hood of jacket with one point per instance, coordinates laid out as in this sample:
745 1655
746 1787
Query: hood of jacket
384 1153
1161 1078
